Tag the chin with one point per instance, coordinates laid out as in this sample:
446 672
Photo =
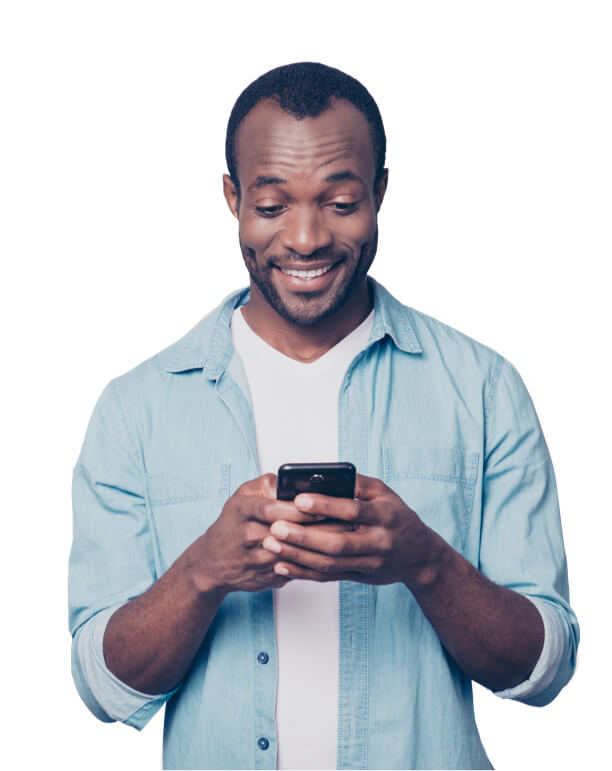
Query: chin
307 311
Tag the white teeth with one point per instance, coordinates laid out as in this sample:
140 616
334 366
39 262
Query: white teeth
306 273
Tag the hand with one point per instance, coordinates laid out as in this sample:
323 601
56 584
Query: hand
389 544
228 557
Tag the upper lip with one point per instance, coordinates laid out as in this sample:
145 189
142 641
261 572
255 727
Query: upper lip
310 266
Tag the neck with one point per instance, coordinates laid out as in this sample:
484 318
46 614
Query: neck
307 343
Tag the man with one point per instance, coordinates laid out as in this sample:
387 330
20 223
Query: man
323 632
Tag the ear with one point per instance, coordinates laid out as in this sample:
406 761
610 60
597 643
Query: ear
380 188
232 196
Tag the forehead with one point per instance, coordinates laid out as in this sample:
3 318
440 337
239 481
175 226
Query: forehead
270 140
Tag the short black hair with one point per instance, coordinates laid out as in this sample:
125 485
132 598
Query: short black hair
305 89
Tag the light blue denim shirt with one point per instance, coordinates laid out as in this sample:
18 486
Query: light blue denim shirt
443 420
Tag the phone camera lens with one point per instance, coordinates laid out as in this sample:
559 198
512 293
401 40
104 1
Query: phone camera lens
317 479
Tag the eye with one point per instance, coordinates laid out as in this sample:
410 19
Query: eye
343 209
269 211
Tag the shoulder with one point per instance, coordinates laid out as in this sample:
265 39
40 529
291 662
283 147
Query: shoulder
458 354
189 353
417 332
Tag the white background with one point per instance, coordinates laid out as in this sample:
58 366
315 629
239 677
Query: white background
116 240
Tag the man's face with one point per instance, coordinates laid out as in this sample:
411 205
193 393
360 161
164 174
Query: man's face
307 203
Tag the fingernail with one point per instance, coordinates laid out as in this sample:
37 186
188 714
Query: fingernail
281 569
271 545
280 530
303 502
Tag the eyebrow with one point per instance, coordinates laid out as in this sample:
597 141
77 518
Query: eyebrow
263 181
340 176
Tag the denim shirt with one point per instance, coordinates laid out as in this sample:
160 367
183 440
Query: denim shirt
444 421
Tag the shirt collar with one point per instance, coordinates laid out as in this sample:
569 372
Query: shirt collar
392 318
212 352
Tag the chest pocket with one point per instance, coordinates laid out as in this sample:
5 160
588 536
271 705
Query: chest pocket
437 483
184 504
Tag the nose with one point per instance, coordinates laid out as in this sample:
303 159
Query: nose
305 232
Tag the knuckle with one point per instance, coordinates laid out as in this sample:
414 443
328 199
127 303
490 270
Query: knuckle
252 534
301 517
264 484
265 558
243 502
379 485
326 566
268 484
337 544
267 510
235 507
385 542
246 488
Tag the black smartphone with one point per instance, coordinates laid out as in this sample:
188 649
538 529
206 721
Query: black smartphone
337 479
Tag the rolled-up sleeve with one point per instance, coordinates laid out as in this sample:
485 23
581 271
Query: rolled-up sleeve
112 557
522 542
547 665
109 698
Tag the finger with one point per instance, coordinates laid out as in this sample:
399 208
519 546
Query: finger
255 531
254 534
348 509
268 511
291 571
321 539
327 564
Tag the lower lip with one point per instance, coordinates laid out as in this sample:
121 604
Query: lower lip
295 284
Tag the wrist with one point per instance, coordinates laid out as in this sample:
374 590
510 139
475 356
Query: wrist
428 571
202 582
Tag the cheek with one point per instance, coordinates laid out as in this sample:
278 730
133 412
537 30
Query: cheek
357 229
257 232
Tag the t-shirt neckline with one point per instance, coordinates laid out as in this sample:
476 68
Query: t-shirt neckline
260 348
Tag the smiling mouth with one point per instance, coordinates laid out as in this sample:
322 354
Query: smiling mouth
307 274
310 273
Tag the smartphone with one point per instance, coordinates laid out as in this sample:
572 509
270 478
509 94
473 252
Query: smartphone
337 479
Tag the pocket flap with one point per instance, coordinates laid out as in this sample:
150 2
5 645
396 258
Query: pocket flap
438 483
188 484
438 464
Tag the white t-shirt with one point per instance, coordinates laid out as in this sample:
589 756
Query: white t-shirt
295 406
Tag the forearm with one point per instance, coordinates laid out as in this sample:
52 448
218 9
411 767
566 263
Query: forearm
150 642
493 633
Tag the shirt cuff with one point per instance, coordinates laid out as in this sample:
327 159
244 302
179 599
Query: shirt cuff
550 656
117 699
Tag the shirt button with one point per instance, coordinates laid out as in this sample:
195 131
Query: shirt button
262 658
263 743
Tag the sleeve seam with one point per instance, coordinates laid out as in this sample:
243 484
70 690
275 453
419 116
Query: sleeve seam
138 459
125 426
499 365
